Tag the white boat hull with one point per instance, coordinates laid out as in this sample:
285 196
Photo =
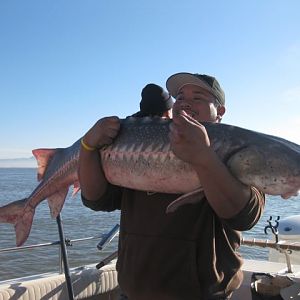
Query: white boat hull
88 282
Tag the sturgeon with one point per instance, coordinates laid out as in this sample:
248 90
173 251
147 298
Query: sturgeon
141 158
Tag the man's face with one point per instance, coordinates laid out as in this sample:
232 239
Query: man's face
198 103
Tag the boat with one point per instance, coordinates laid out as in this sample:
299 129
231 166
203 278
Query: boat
88 283
278 279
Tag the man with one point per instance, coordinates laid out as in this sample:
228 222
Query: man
155 102
191 253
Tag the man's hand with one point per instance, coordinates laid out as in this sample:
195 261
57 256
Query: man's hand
189 140
103 132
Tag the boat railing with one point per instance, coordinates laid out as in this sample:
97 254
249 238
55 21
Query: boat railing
108 237
63 243
283 246
280 245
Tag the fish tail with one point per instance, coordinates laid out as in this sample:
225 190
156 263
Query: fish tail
21 216
9 213
23 227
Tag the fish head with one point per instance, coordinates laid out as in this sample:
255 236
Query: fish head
272 168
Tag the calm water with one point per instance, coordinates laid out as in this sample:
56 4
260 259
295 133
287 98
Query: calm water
81 222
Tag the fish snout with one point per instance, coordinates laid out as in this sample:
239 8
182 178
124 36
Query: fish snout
290 194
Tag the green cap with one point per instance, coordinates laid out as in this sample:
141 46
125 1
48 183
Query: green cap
177 81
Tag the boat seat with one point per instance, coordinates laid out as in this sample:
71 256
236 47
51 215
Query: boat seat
88 283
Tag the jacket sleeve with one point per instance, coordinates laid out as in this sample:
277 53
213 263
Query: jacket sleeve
250 214
110 201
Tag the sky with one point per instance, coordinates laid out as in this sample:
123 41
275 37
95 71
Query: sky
66 64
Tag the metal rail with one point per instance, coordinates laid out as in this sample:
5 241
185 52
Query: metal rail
283 245
63 243
65 260
56 243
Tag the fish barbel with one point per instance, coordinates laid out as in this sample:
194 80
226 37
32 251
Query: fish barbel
140 158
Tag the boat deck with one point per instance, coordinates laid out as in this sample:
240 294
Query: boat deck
251 266
88 283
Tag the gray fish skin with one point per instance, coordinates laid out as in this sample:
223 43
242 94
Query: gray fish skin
140 158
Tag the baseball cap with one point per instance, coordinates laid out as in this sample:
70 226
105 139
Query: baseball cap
155 100
177 81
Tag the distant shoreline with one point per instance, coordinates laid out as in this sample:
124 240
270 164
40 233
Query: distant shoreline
18 163
17 167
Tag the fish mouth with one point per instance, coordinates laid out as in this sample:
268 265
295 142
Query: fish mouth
290 194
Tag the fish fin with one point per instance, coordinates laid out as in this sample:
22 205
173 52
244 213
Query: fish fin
15 213
76 188
43 156
23 227
56 202
10 212
189 198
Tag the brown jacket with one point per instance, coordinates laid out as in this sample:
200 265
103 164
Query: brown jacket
189 254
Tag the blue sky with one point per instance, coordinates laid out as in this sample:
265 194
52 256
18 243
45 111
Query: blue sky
65 64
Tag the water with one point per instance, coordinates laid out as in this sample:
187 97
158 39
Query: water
78 222
81 222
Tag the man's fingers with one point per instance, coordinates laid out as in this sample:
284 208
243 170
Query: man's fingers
112 132
105 142
109 122
182 118
191 119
